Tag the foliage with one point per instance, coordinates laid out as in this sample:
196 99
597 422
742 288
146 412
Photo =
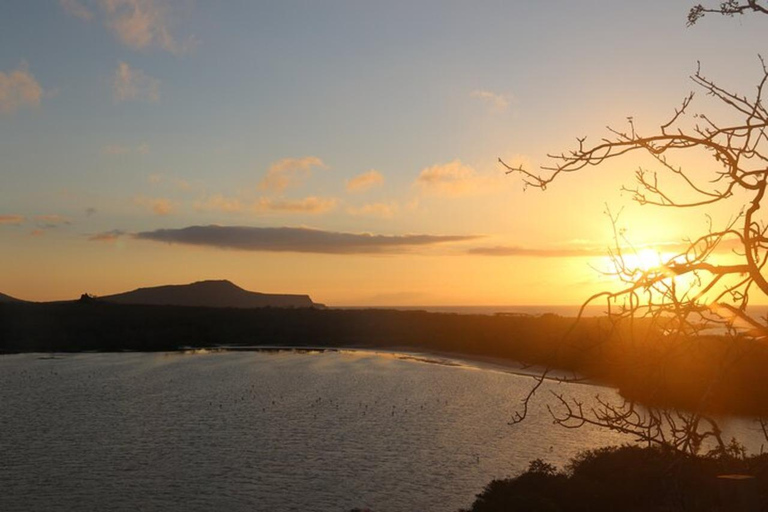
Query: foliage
630 478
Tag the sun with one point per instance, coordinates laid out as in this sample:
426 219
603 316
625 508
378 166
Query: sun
647 259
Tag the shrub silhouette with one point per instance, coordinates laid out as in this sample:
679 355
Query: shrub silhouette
630 479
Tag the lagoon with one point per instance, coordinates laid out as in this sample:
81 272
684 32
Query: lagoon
270 430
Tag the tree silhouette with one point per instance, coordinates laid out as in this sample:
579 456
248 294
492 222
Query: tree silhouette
703 291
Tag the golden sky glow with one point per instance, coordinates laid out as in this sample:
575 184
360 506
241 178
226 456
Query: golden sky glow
344 151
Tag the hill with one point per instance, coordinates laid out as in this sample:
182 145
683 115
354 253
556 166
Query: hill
8 298
212 294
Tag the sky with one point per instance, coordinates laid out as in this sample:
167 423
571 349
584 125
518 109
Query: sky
344 149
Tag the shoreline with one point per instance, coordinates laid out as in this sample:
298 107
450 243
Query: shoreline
443 358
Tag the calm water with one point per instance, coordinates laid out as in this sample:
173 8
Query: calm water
265 431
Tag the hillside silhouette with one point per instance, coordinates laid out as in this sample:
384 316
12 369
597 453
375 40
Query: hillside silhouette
8 298
210 294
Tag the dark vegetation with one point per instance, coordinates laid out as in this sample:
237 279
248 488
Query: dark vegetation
652 372
633 479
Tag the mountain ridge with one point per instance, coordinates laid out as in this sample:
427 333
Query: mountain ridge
8 298
209 293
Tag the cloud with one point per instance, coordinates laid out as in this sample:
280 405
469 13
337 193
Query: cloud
158 205
511 250
18 88
303 240
107 236
76 9
134 84
221 203
171 181
119 149
51 221
12 220
138 24
454 179
497 102
289 172
383 210
311 205
365 181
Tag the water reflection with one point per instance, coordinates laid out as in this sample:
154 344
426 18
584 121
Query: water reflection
277 430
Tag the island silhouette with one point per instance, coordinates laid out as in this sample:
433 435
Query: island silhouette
8 298
210 294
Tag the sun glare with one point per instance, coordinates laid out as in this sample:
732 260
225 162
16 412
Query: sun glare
647 259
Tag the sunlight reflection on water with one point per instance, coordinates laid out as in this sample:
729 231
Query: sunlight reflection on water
321 431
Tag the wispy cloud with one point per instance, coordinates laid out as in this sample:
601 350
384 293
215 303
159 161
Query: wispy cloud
365 181
289 172
513 250
158 205
107 236
119 149
12 220
133 84
51 221
77 9
311 205
383 210
221 203
303 240
454 179
496 102
173 182
138 24
18 88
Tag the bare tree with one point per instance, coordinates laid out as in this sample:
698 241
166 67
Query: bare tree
727 8
705 288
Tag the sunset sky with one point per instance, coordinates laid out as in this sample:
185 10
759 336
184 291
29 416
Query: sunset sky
347 150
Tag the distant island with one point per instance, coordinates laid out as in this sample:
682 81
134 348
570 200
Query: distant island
7 298
209 294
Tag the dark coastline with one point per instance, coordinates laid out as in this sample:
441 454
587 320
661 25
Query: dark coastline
536 340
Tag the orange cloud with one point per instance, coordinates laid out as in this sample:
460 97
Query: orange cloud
513 250
18 88
497 102
289 172
134 84
453 179
311 205
383 210
50 221
365 181
11 219
119 149
221 203
76 9
141 23
107 236
158 205
138 24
